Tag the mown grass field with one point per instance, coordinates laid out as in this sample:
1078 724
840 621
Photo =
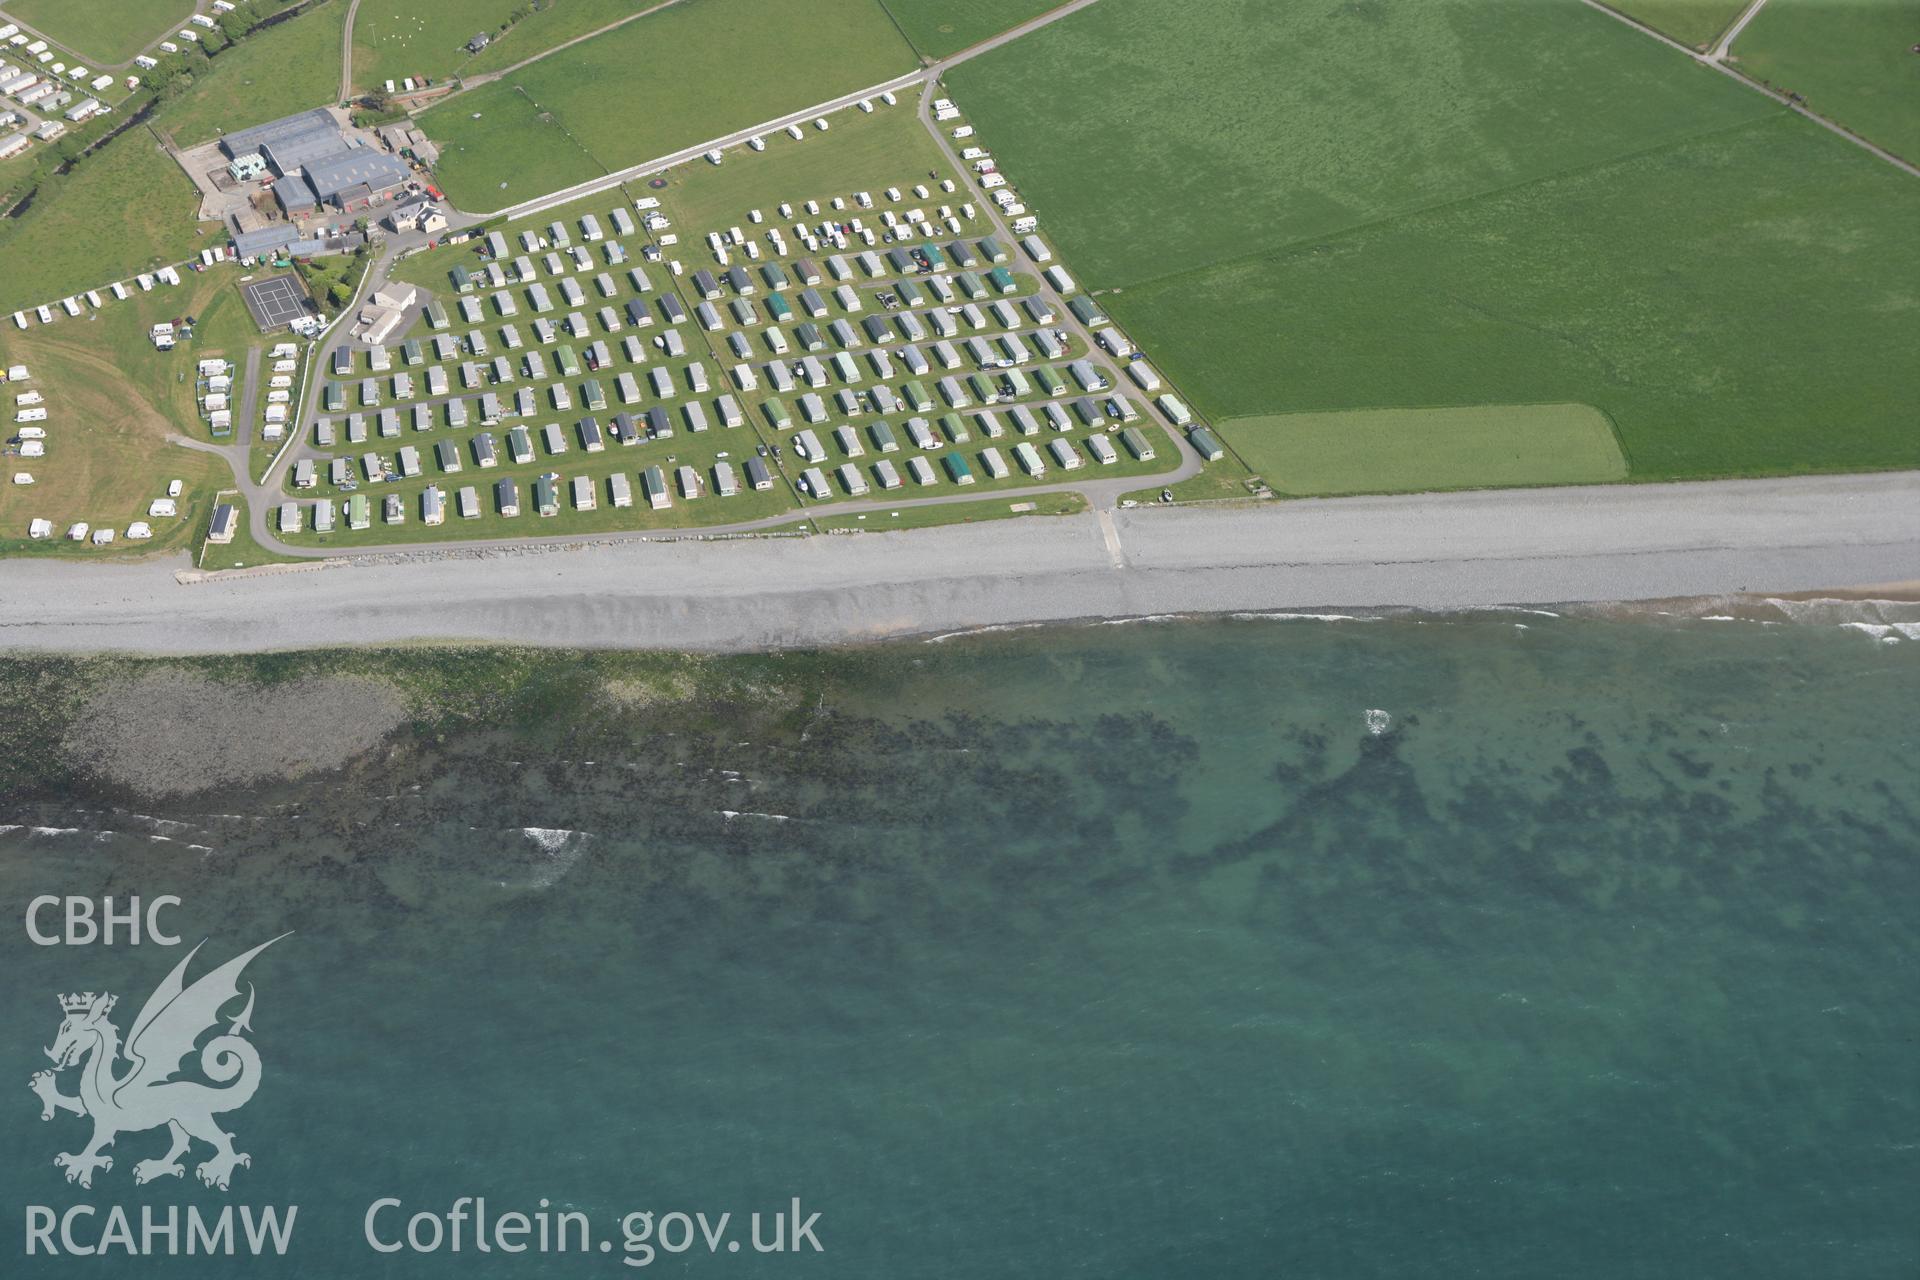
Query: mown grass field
938 28
1851 59
112 402
1415 450
272 73
125 208
648 88
1694 22
1607 225
885 519
105 31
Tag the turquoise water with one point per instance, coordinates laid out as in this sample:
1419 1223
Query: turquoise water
1504 945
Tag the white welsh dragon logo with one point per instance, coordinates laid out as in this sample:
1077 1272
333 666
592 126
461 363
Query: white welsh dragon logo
146 1095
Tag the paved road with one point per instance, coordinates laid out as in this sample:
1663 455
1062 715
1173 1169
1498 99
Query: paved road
1718 64
1720 50
1441 551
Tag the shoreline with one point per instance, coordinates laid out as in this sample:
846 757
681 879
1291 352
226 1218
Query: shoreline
1827 537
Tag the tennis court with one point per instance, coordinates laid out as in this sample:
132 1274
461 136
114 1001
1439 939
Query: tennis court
275 302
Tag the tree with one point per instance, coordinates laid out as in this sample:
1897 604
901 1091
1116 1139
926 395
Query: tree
339 293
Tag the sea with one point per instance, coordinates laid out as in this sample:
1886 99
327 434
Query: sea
1497 944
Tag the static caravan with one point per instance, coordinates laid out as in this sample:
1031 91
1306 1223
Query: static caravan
957 469
1136 444
619 490
852 479
506 497
758 475
1029 459
1175 410
654 481
995 465
921 470
546 494
1205 443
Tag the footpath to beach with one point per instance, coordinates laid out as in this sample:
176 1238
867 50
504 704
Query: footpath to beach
1444 551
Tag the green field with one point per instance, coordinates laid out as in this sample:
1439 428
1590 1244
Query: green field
126 208
112 401
1851 59
938 28
1694 22
514 150
1415 450
648 88
272 73
1607 224
105 31
394 39
1132 131
1737 305
861 153
543 28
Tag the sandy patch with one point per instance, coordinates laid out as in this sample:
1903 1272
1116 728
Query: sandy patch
172 732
